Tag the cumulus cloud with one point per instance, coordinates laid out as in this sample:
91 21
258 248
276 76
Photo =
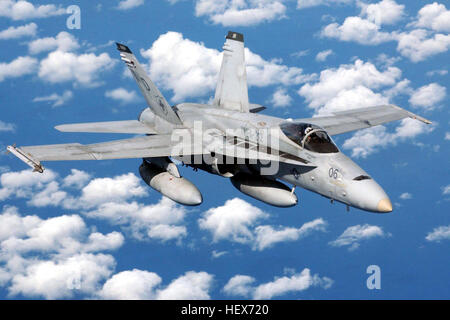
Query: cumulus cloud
51 257
416 44
18 67
434 16
5 127
302 4
383 12
281 98
406 196
76 178
238 221
28 30
323 55
83 69
446 189
419 44
232 220
131 285
122 95
428 96
240 13
349 86
63 41
438 234
110 199
55 99
267 236
352 236
368 141
190 69
242 285
23 10
192 285
138 284
129 4
358 30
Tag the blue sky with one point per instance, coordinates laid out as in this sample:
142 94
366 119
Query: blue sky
95 230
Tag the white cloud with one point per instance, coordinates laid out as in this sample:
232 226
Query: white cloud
419 44
22 184
267 236
441 72
323 55
416 44
64 41
358 30
349 86
159 221
232 221
242 285
28 30
438 234
428 96
52 257
23 10
281 98
77 178
447 136
237 221
383 12
100 198
17 68
57 100
434 16
83 69
190 69
406 196
191 286
5 127
446 190
352 236
302 4
139 285
116 189
240 13
368 141
58 279
122 95
131 285
129 4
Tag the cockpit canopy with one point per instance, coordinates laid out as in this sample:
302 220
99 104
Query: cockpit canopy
309 136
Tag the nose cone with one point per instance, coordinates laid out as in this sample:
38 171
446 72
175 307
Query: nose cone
369 196
384 205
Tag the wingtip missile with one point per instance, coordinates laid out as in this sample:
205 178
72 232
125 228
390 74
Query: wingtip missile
33 163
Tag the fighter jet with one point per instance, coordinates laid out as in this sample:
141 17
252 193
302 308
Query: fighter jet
264 157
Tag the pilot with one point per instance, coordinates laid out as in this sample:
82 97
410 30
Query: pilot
307 130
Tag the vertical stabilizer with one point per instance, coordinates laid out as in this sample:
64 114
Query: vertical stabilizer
154 98
231 90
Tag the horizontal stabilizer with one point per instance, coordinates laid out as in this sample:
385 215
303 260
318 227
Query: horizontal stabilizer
127 126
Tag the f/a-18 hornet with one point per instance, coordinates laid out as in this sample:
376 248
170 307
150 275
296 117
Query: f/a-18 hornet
230 138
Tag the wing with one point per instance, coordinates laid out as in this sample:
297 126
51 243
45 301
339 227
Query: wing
231 91
154 98
127 126
139 147
361 118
